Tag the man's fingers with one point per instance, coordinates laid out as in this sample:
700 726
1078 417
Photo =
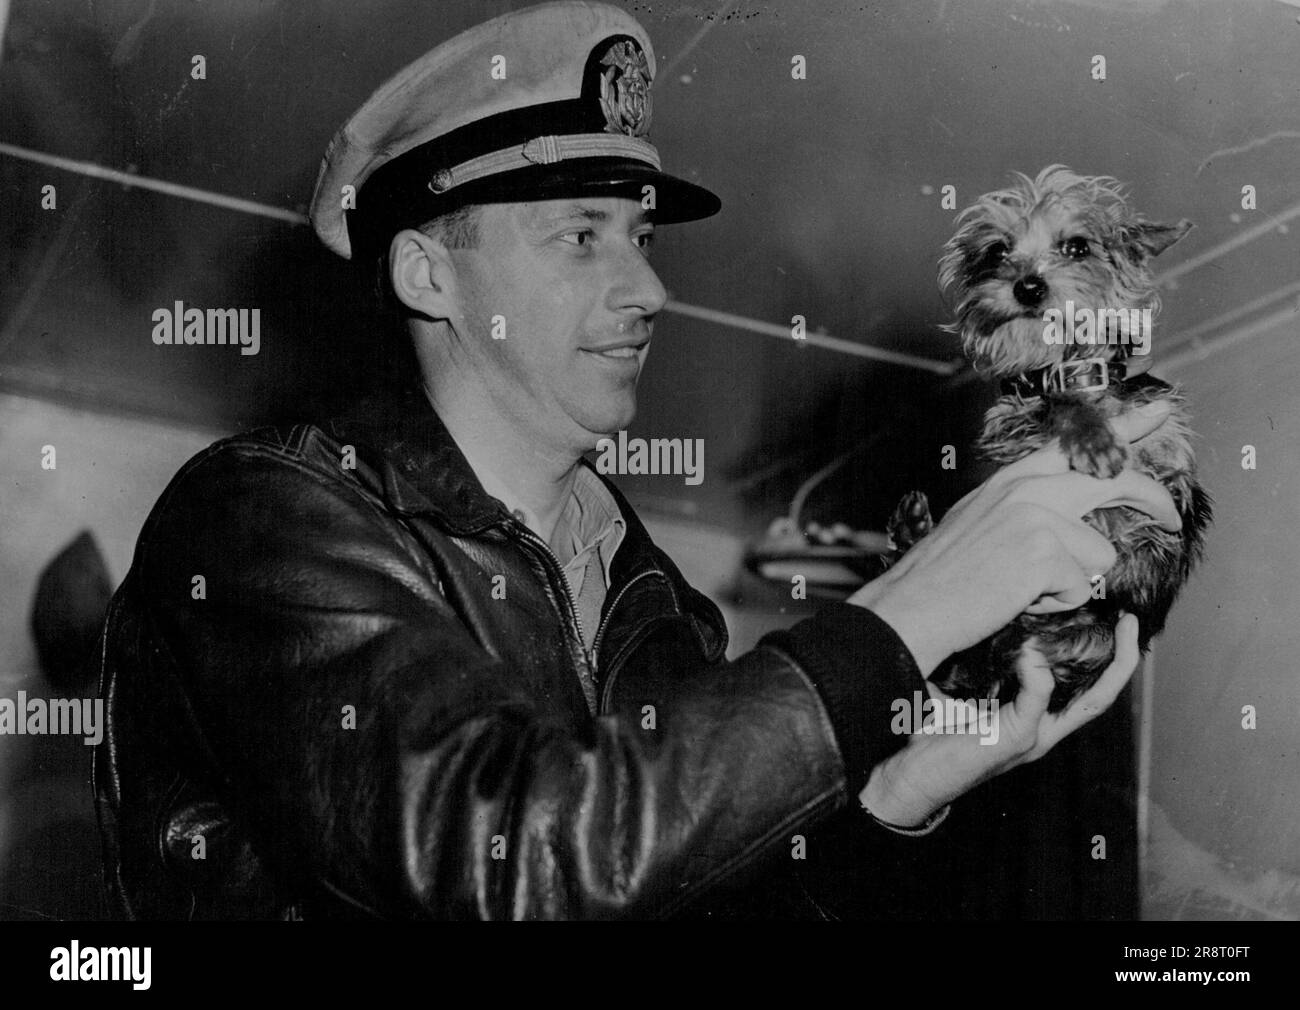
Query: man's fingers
1137 424
1076 494
1035 672
1042 462
1070 555
1059 602
1036 686
1146 494
1102 694
1132 426
1090 551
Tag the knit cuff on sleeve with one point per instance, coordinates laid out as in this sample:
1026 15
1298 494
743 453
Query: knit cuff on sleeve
860 668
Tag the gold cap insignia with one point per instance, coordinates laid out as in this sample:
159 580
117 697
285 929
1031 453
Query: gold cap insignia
625 89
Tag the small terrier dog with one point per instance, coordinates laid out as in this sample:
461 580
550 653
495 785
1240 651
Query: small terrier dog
1027 264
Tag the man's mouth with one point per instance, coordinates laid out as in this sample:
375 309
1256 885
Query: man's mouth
614 351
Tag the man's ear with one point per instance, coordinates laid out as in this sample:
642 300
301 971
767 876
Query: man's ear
422 275
1150 238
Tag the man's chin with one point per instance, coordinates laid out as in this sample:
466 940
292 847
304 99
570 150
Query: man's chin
608 424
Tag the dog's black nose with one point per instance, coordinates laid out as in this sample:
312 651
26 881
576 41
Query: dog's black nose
1030 290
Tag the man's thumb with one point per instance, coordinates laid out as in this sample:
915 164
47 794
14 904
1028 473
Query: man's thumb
1136 424
1036 684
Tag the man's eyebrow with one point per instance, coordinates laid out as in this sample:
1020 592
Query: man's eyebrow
585 212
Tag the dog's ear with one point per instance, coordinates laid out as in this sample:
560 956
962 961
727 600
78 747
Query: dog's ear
1150 238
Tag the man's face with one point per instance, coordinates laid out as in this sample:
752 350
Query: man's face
576 299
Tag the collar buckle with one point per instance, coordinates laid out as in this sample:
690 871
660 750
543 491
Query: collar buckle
1082 375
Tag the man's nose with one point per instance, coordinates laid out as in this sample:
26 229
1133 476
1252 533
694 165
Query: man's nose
637 287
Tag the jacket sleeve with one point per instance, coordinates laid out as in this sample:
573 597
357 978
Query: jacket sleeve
343 711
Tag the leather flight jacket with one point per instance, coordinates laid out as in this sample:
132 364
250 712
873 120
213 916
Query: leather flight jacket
323 700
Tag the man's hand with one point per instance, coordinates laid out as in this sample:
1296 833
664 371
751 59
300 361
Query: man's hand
1016 544
934 769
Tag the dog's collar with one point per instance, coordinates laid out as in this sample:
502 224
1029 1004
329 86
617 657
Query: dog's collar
1078 375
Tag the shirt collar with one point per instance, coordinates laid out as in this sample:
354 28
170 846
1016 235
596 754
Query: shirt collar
589 520
423 471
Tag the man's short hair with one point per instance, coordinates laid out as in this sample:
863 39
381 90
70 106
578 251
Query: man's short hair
457 229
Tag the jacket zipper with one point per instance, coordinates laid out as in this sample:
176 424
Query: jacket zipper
608 684
575 618
600 691
609 611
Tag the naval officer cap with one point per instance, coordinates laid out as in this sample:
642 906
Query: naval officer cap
543 103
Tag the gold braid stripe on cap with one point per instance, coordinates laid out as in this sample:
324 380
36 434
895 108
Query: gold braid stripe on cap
545 151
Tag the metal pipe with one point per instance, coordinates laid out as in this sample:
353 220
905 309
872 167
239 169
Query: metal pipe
1227 246
815 339
157 185
1200 350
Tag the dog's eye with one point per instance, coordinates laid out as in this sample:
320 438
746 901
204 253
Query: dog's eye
996 253
1076 247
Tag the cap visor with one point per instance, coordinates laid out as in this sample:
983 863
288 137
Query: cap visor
675 200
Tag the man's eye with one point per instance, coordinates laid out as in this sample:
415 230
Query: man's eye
1076 248
645 241
581 237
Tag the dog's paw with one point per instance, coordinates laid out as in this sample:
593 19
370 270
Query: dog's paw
1087 439
1095 450
910 522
